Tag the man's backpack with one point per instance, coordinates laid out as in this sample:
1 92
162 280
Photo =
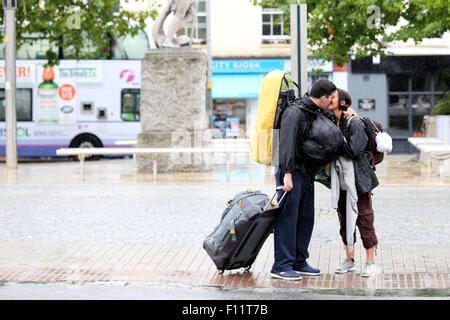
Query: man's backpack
323 141
276 94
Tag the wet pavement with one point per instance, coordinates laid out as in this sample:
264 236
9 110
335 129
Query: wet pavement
394 170
118 226
146 291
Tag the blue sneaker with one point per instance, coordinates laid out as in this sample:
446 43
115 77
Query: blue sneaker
286 275
308 270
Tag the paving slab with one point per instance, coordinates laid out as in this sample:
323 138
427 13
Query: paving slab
170 264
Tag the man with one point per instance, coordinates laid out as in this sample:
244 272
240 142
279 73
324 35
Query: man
293 227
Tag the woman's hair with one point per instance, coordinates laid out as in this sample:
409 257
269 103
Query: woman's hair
344 96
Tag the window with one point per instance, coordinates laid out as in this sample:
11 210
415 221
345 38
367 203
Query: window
196 29
130 103
421 106
273 24
398 82
229 117
33 49
411 97
127 47
398 114
312 77
131 47
23 104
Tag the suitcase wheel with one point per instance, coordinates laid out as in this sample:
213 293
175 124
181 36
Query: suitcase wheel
220 271
247 268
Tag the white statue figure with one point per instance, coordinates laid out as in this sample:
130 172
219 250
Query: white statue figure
184 12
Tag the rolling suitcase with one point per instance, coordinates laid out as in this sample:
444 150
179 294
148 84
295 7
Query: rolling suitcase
244 226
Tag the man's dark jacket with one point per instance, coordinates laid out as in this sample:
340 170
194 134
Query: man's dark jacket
293 127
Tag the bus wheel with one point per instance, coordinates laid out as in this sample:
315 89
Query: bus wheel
87 141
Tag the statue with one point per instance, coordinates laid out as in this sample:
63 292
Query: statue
184 12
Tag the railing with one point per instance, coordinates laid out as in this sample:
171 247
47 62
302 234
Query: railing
83 153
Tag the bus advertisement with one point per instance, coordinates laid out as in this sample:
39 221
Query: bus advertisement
79 103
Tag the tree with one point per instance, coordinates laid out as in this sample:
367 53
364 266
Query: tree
77 29
337 29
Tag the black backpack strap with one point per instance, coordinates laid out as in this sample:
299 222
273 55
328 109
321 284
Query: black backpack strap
287 83
309 122
287 98
301 106
368 126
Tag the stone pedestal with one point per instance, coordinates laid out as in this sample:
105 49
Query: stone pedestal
173 108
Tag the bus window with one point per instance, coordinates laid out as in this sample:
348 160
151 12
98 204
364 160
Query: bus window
23 104
2 104
33 49
124 48
130 102
131 47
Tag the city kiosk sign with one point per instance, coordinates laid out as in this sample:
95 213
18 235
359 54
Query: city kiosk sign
265 65
247 65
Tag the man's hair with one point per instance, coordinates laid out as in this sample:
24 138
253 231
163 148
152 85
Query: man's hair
344 96
322 87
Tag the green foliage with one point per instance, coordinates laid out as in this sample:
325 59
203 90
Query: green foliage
83 29
445 81
442 107
337 29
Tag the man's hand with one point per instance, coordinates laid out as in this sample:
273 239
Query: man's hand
288 185
349 113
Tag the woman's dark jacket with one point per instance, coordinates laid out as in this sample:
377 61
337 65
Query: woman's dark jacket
365 177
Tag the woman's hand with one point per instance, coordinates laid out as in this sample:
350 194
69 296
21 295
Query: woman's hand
288 185
349 113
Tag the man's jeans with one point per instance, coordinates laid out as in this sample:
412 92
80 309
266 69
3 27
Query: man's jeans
294 225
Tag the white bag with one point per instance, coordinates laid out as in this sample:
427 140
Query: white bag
384 142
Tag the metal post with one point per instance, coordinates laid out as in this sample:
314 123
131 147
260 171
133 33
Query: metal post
228 155
9 7
410 110
299 60
155 167
209 56
250 167
81 157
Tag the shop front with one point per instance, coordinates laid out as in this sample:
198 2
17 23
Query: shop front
235 90
399 92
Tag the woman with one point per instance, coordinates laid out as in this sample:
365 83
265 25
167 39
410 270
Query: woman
354 179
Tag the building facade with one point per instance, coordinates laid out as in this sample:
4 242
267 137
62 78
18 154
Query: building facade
399 91
246 43
245 48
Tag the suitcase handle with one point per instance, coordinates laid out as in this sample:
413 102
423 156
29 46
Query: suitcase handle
276 191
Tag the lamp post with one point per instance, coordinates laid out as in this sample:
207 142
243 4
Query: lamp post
9 6
209 56
299 59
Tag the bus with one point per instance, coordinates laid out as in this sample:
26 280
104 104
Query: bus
78 103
